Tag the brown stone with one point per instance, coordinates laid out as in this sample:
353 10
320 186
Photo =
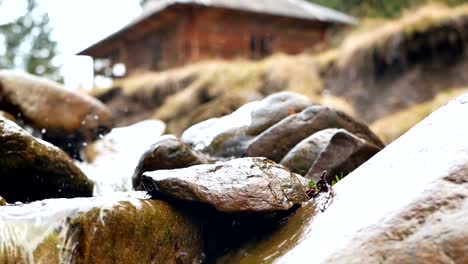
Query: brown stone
274 108
230 135
300 158
408 204
343 154
222 105
224 136
239 185
60 114
8 116
99 230
32 169
278 140
432 229
168 153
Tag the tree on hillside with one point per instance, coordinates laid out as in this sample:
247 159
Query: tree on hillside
27 44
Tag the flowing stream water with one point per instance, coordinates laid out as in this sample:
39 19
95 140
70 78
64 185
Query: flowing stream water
24 227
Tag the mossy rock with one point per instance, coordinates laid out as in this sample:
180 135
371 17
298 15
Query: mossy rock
32 169
101 230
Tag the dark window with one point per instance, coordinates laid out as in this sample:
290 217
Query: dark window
264 46
253 50
156 50
260 46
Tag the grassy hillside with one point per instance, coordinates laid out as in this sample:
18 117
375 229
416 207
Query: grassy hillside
380 8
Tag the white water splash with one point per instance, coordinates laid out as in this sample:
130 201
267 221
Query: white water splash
117 155
24 227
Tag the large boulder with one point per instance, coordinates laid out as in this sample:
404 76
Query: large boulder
167 153
32 169
239 185
61 115
111 161
275 142
408 204
124 228
230 135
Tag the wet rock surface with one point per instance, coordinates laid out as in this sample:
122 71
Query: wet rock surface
275 142
220 106
124 228
2 201
274 108
212 136
8 116
32 169
239 185
300 158
343 154
408 208
168 153
63 117
111 161
205 209
230 135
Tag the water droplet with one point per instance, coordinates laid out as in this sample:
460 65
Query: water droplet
43 131
84 144
83 122
96 117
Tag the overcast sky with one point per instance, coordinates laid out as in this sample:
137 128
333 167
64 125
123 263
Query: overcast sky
78 23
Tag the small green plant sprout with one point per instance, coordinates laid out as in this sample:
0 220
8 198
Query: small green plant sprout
312 184
338 178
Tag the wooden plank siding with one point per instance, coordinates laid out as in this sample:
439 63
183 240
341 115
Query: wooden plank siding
187 33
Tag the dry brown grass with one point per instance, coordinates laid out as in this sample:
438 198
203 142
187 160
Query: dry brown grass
393 126
215 79
380 35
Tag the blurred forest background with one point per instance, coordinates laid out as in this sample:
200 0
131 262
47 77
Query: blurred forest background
25 42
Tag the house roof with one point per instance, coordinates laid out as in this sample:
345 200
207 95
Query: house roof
288 8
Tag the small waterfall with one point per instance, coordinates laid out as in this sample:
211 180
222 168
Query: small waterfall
117 155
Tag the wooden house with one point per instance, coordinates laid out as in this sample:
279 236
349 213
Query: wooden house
170 33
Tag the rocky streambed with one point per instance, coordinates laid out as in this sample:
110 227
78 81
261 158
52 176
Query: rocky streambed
254 186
